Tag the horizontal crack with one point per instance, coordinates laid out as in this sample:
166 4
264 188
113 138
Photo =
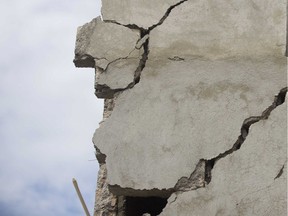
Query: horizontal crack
196 179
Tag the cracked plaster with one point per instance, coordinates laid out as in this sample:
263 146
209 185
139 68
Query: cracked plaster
183 99
116 55
244 182
134 12
210 66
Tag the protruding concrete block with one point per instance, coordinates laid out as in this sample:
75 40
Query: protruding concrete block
100 40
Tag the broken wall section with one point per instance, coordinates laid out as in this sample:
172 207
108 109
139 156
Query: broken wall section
194 115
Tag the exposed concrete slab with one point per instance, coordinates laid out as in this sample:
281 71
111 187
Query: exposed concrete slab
247 182
152 137
221 29
141 13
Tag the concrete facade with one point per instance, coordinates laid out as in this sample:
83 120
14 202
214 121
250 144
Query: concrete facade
195 113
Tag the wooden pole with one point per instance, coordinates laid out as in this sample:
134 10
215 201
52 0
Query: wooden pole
80 197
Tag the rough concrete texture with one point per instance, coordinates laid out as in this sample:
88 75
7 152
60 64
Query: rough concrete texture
196 114
119 74
136 11
106 202
112 49
95 40
182 112
245 183
221 29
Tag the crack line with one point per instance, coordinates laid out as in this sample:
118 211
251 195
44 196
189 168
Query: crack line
104 91
191 183
161 21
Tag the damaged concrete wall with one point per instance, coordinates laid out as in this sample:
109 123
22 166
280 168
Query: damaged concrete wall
195 111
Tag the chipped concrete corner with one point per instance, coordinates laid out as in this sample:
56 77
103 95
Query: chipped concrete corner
195 114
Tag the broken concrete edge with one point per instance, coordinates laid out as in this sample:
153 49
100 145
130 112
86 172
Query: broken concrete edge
194 181
101 158
166 15
104 91
131 192
202 174
83 59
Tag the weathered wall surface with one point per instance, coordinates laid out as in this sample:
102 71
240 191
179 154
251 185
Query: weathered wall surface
195 105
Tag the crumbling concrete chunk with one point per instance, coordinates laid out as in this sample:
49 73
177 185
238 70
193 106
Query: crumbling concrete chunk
98 40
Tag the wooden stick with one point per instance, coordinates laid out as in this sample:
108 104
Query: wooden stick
80 197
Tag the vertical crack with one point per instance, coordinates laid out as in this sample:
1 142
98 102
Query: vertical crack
104 91
144 58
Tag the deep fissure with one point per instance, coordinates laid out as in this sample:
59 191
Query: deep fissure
104 91
194 181
278 100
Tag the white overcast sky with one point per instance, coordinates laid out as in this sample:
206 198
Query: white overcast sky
48 111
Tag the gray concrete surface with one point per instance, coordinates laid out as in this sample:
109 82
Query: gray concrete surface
244 183
221 29
186 75
182 112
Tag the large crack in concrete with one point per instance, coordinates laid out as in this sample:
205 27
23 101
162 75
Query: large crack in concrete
103 90
201 177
